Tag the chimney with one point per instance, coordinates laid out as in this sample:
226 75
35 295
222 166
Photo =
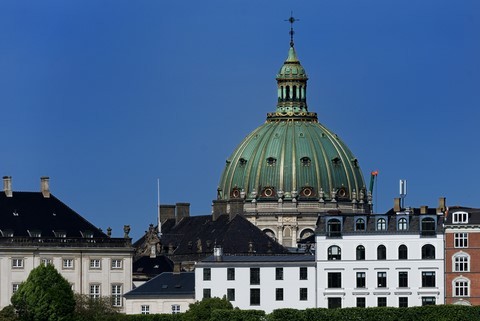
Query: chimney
442 205
177 267
183 210
7 186
44 186
424 209
218 253
167 212
396 205
236 208
219 207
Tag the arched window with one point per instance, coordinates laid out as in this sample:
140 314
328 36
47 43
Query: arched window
287 232
402 224
428 225
461 287
381 252
360 224
402 252
334 227
270 233
360 252
428 252
461 262
334 253
306 233
381 224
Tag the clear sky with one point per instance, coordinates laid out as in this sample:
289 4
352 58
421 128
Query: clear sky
107 96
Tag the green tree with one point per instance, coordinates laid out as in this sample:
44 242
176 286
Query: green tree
90 309
202 310
44 296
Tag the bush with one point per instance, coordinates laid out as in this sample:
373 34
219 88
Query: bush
237 315
202 310
88 309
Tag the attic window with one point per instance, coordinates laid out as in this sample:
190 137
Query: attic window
271 161
6 233
305 161
61 234
34 233
336 160
242 161
87 234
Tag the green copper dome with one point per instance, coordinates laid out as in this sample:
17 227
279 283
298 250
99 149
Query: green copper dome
292 156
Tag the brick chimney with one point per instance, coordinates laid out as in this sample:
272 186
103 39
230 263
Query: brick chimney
183 210
396 205
219 207
167 212
442 205
423 209
7 186
45 186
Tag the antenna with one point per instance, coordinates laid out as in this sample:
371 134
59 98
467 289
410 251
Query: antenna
403 191
158 208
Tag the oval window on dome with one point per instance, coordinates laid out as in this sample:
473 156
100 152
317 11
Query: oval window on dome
271 161
242 161
306 161
336 160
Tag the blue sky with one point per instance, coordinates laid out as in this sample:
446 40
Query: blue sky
107 96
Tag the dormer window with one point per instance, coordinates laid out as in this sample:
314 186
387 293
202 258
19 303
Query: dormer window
271 161
59 233
87 234
381 224
6 233
34 233
359 224
460 218
242 162
305 161
334 228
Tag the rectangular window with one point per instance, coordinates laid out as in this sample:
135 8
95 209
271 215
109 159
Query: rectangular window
254 296
15 287
207 274
230 274
68 263
428 300
382 279
461 287
94 291
461 263
303 294
231 294
254 276
175 308
117 295
361 302
428 279
207 293
334 303
382 301
279 294
46 261
117 264
17 263
95 264
402 279
461 240
460 217
361 279
334 279
145 309
278 273
403 302
303 273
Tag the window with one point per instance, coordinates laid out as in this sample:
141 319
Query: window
116 263
428 252
360 252
46 261
278 273
428 300
175 308
461 263
145 309
207 293
15 287
207 274
381 252
334 279
279 294
94 291
460 217
428 279
305 161
360 224
95 264
17 263
303 294
255 276
403 302
334 253
254 296
428 225
231 294
402 224
68 263
381 301
461 239
117 295
230 274
460 287
402 279
271 161
381 224
303 273
361 302
334 228
402 252
382 279
360 279
334 303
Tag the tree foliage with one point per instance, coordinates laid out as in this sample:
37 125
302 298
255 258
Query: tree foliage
44 296
89 309
202 310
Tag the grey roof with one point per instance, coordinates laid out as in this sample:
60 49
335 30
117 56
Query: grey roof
262 258
166 284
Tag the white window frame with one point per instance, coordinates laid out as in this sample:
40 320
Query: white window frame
117 295
15 287
68 263
460 218
18 263
94 291
461 283
117 264
95 264
175 308
462 261
460 240
145 309
46 261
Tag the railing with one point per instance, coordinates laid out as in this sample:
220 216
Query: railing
64 242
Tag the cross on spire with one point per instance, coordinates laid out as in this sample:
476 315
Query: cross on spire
291 20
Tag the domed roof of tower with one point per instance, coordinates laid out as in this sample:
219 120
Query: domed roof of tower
292 67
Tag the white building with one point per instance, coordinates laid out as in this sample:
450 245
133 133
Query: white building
265 282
